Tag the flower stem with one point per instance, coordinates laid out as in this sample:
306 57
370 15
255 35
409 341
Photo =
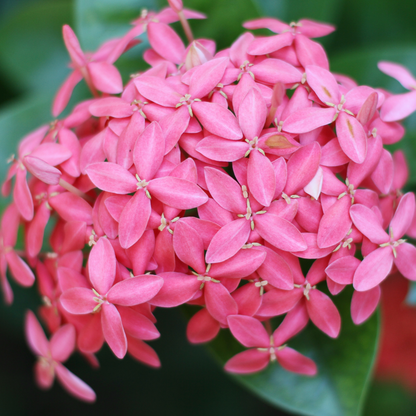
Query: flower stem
75 191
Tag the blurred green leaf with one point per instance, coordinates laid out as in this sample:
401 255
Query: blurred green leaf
289 10
344 366
386 399
32 53
362 66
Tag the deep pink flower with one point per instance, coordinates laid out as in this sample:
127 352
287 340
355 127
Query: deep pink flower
51 355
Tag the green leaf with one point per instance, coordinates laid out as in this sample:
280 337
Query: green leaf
386 399
362 66
344 366
32 53
288 10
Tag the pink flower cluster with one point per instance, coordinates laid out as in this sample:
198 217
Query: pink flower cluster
280 158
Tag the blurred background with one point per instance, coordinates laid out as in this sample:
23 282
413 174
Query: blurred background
33 63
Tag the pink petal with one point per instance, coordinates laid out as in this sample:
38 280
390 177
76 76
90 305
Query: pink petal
177 289
134 219
73 46
149 151
64 93
276 271
399 72
157 90
403 216
302 167
280 233
74 385
225 190
357 172
128 139
252 114
397 107
111 177
335 223
308 119
19 269
35 336
368 109
248 331
342 270
242 264
263 46
202 327
310 52
295 362
261 178
44 375
217 120
111 106
216 148
219 302
323 313
292 324
367 222
102 266
277 302
249 361
42 170
36 229
113 330
174 125
323 83
248 299
105 77
63 343
189 246
228 241
373 269
91 338
22 196
177 193
406 260
137 325
78 300
206 77
165 42
143 352
135 290
332 154
352 137
275 70
363 304
72 207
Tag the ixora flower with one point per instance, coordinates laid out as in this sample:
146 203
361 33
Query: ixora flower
211 179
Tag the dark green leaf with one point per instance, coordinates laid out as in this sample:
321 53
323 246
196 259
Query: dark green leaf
288 10
344 366
386 399
32 53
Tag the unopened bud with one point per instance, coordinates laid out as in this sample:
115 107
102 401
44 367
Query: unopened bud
197 55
